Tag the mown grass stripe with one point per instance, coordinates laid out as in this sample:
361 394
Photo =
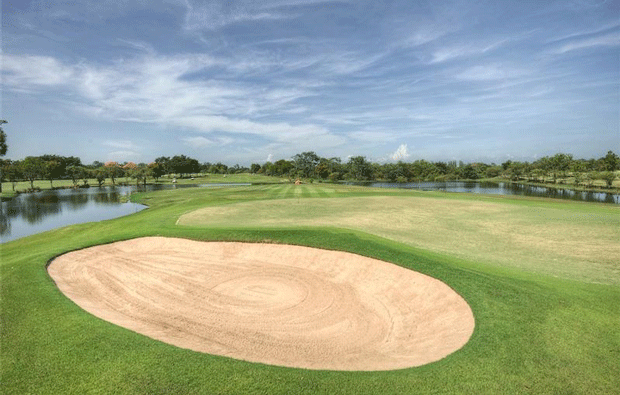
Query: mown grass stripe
274 191
286 192
322 191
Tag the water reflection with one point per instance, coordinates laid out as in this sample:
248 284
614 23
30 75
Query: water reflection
501 188
33 213
28 214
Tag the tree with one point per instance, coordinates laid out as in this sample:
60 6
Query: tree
114 171
76 173
493 171
469 172
31 168
13 172
254 168
52 169
183 165
588 178
157 170
323 169
164 162
4 168
282 167
101 174
611 161
560 163
3 148
305 164
140 173
608 177
267 168
359 168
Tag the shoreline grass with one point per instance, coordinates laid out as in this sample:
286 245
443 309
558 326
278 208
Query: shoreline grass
534 333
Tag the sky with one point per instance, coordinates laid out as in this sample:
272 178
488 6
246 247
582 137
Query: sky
246 81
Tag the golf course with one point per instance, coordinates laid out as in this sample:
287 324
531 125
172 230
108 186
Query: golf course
527 290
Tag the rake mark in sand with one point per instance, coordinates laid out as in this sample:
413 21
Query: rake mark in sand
276 304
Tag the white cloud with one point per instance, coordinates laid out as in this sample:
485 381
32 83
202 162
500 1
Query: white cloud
269 158
120 144
198 142
490 72
214 15
401 153
203 142
372 136
608 40
28 71
587 32
155 89
447 53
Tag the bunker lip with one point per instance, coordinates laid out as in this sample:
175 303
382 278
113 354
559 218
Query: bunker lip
276 304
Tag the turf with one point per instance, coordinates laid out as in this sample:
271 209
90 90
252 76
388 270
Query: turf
535 333
570 241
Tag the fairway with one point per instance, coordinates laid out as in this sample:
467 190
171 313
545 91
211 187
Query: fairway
539 276
541 238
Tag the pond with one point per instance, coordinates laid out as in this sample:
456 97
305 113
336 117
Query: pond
501 188
28 214
32 213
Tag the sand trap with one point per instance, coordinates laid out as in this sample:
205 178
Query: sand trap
276 304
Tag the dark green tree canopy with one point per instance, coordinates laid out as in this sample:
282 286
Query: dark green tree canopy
3 146
305 163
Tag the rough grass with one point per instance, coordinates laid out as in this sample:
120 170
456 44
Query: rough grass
534 334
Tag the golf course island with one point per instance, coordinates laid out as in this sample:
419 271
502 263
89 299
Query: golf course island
277 304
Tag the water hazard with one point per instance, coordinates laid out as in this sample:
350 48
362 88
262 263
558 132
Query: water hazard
28 214
502 188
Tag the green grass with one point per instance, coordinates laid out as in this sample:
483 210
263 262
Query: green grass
566 240
535 333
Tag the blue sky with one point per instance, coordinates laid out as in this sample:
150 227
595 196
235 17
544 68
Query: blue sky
250 81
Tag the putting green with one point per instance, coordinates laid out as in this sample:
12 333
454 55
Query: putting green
539 238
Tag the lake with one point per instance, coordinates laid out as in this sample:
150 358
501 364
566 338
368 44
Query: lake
28 214
501 188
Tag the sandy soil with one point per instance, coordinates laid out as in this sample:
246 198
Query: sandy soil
276 304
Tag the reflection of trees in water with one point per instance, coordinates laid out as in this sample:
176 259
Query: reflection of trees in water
502 189
76 200
35 207
5 224
107 198
30 207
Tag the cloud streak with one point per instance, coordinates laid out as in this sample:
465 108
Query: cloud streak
154 90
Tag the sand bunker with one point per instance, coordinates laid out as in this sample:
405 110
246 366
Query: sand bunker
276 304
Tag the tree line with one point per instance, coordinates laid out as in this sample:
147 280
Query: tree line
555 169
